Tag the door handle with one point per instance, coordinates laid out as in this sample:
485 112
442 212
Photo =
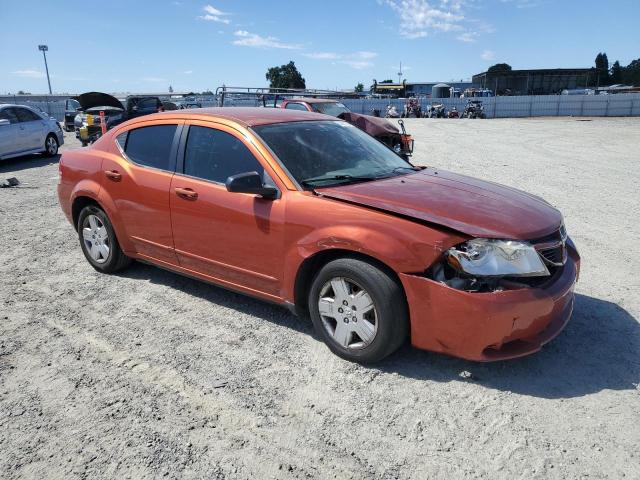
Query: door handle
186 193
113 175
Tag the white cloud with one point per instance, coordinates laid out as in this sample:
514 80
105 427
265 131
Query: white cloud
488 55
358 60
523 3
322 55
468 37
419 18
247 39
29 73
212 14
357 64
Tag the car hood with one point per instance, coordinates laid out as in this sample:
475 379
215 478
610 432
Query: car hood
474 207
374 126
98 99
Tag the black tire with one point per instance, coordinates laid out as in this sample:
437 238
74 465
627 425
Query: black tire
391 313
51 145
116 259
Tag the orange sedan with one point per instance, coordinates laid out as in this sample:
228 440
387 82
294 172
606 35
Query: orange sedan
307 211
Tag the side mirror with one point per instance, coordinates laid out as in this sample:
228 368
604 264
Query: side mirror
250 182
4 121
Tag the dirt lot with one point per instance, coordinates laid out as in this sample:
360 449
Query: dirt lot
149 374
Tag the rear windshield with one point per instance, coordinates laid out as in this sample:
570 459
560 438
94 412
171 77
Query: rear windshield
329 108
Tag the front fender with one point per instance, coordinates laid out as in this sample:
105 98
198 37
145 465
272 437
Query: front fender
411 249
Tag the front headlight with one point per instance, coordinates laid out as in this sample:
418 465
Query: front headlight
497 258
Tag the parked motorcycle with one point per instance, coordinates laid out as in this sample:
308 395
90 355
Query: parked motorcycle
453 113
412 109
436 110
392 112
474 109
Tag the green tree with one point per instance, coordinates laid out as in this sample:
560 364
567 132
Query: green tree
631 73
285 76
359 88
616 73
499 68
386 81
602 68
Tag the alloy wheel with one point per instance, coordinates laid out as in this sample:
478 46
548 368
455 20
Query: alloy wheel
96 238
52 146
348 313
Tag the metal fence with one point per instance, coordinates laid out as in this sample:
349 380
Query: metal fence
619 105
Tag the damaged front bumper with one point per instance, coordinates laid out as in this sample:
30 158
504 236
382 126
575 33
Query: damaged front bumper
490 326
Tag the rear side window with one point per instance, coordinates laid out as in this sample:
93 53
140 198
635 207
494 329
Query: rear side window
215 155
151 146
9 114
296 106
25 115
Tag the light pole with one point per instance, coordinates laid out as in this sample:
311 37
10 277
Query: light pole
43 49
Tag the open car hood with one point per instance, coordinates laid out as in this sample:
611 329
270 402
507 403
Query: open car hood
374 126
98 99
474 207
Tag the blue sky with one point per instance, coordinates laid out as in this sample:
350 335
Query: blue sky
135 45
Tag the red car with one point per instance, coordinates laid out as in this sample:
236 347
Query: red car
379 128
308 211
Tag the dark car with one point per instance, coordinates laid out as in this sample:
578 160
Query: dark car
71 109
88 124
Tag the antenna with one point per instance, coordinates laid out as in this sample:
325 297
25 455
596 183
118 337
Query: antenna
400 73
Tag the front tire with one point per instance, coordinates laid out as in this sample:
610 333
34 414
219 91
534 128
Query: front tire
358 310
98 241
51 145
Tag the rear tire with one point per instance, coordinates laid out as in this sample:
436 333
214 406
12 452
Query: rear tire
98 241
364 314
51 145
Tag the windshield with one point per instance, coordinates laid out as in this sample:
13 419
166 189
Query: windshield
329 108
319 154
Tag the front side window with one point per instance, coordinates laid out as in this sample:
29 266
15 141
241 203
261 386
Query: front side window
330 153
296 106
151 146
216 155
25 115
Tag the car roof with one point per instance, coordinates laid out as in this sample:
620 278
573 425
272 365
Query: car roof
245 116
312 100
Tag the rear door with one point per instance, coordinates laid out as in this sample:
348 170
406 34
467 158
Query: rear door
138 180
33 128
11 137
233 237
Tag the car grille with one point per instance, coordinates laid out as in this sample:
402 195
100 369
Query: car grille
552 248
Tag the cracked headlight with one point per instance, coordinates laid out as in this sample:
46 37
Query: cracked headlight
497 258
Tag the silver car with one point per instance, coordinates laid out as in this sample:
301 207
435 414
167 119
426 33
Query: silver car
25 130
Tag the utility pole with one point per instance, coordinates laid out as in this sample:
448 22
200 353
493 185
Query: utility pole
400 74
43 49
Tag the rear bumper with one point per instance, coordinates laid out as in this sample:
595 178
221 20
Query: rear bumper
489 326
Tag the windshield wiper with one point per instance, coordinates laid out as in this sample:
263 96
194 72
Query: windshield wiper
308 182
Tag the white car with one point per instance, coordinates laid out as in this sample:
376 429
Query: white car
24 130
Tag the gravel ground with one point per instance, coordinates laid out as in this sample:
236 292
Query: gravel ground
148 374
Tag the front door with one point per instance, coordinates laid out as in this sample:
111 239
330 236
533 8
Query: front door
32 128
234 238
138 181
